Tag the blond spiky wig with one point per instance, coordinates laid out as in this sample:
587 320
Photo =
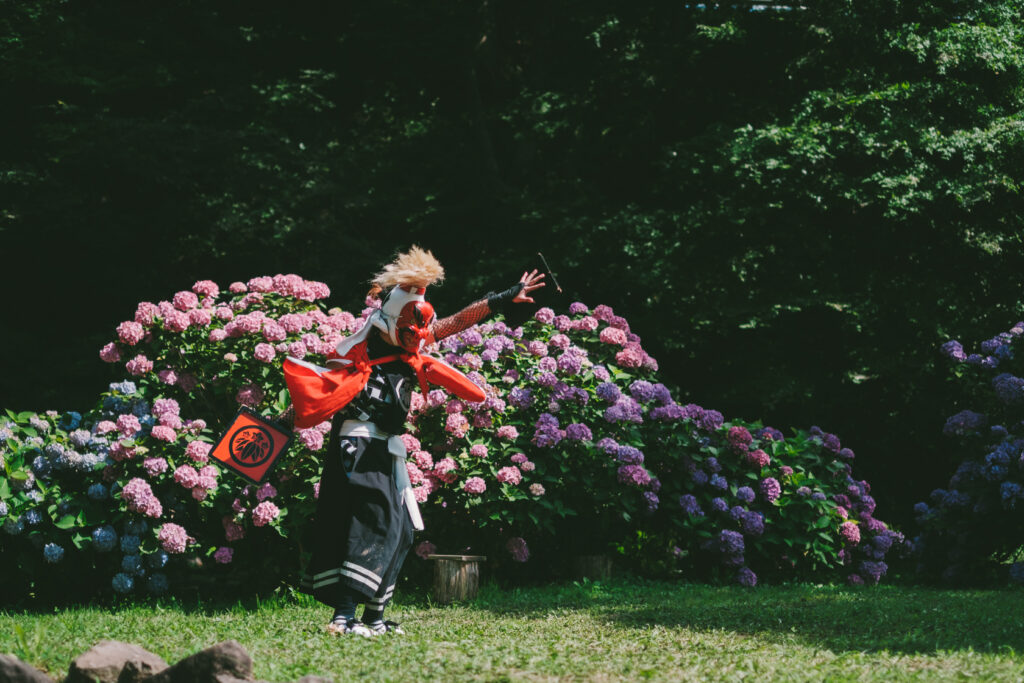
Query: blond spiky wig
414 268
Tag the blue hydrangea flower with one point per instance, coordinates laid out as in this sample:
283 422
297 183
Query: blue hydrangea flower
157 584
745 494
53 553
690 506
14 526
719 505
157 560
130 544
3 508
127 387
803 492
122 582
97 491
35 495
33 517
42 466
132 565
104 538
719 482
136 527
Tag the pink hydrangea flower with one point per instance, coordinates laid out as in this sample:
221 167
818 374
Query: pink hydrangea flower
518 548
758 458
199 317
173 538
316 491
415 473
611 335
537 348
311 439
544 315
185 301
237 288
187 382
187 476
146 313
478 450
223 555
423 460
264 513
249 395
528 466
110 353
411 442
536 490
206 288
457 425
165 406
629 358
273 331
474 486
154 466
425 549
172 421
265 353
128 424
198 451
163 433
509 475
233 531
445 470
177 321
167 376
130 333
297 349
850 532
139 365
519 458
508 433
105 426
265 491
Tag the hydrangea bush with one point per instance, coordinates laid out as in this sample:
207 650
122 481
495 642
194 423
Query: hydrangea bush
576 449
973 530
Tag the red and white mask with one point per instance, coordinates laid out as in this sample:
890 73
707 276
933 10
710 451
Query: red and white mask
406 318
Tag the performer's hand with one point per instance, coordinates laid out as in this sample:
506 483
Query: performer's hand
531 281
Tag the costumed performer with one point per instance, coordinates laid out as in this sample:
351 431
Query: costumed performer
366 512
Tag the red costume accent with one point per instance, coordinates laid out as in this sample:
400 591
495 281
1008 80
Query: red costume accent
318 395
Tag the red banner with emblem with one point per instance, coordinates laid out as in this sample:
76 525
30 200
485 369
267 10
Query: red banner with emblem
251 445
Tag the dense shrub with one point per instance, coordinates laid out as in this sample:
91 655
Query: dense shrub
972 529
576 449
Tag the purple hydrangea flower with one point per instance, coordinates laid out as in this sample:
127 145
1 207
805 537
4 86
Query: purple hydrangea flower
719 482
690 505
699 477
625 410
964 422
651 498
752 523
730 542
629 455
719 505
710 420
608 391
770 489
608 445
745 577
634 474
642 391
578 432
745 494
713 465
737 512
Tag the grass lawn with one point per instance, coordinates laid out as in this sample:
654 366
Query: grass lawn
631 630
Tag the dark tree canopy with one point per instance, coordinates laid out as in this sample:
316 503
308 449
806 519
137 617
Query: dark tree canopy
794 205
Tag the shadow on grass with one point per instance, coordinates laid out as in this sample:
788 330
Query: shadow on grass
898 619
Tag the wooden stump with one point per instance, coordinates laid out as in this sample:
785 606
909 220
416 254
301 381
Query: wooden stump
592 566
456 577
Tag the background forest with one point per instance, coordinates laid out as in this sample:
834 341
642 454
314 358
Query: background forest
794 206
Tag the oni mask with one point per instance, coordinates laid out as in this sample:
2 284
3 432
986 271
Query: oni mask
405 318
413 326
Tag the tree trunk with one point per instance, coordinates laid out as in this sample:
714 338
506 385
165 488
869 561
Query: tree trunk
456 577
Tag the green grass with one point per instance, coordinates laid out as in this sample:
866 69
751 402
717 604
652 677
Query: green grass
587 631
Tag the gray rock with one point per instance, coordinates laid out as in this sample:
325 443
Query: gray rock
105 661
222 662
13 670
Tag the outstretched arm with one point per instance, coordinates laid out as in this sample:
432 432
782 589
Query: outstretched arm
491 303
